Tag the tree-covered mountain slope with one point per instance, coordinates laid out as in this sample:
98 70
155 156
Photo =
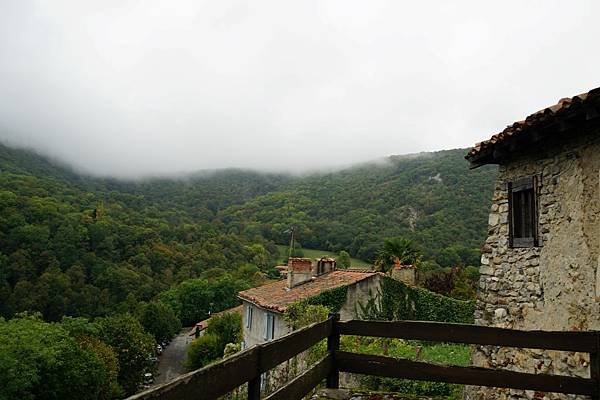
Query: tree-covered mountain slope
432 198
76 245
80 245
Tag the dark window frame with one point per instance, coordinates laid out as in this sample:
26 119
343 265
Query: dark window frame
523 217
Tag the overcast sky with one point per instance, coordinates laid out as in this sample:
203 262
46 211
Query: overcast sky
130 88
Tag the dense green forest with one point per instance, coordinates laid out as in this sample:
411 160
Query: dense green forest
78 245
81 246
431 198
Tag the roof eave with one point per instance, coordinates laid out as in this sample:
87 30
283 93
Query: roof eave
555 119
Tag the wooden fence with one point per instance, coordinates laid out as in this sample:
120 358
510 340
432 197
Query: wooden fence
221 378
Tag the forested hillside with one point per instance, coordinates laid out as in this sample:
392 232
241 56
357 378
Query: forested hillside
134 260
431 198
77 245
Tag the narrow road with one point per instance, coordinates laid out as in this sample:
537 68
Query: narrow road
171 362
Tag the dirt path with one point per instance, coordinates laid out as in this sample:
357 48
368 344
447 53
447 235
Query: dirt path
170 364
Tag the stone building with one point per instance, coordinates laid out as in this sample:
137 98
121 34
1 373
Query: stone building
263 306
540 267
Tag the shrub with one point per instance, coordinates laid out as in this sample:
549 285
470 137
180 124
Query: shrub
40 360
222 330
203 351
343 260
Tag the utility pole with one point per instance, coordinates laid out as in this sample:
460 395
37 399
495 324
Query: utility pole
292 232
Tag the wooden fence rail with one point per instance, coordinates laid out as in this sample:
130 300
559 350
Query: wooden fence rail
246 367
221 378
473 334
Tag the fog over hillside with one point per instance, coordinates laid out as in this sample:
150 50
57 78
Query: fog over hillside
129 88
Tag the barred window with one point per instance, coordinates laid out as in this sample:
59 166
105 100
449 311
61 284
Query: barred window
523 218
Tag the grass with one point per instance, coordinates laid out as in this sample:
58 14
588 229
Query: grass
310 253
439 353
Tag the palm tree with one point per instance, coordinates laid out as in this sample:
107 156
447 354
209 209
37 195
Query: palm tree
397 250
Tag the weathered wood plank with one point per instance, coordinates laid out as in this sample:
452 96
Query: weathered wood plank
277 351
254 389
406 369
333 345
595 370
209 382
218 379
472 334
298 387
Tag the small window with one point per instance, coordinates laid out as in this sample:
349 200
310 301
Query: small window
249 312
522 208
269 326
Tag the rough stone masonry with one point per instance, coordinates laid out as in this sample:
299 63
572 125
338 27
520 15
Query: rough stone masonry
553 286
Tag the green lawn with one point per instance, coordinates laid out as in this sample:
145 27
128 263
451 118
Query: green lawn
310 253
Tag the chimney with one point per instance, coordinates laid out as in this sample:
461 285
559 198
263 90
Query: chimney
406 274
300 270
325 265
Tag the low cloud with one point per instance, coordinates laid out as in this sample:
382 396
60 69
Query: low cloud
132 88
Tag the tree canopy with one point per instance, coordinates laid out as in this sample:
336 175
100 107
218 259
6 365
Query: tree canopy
112 265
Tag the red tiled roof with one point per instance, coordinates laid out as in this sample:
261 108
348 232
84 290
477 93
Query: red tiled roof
276 296
564 107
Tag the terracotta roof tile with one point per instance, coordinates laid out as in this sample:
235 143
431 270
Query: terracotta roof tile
563 107
276 296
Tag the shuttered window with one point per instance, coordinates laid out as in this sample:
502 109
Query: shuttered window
522 206
249 312
269 326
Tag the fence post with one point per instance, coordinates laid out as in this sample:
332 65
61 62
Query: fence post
254 384
254 389
333 345
595 367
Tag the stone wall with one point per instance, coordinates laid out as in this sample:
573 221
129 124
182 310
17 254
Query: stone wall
551 287
359 294
406 274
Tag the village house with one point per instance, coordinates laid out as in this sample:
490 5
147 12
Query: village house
540 267
264 306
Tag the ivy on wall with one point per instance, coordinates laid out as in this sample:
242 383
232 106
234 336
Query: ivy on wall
333 299
393 301
397 301
312 310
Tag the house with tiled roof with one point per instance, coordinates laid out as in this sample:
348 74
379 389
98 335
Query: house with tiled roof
540 267
264 306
